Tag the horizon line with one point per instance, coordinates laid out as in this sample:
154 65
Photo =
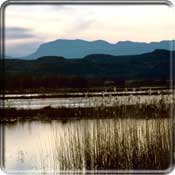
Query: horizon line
136 41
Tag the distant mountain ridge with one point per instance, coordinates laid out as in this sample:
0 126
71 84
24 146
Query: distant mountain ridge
149 66
80 48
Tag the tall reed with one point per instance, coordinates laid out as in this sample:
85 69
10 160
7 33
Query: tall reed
114 144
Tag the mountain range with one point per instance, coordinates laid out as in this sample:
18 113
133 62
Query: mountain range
80 48
149 66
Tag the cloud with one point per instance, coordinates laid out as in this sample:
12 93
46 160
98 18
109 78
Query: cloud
61 8
78 26
22 48
83 25
18 33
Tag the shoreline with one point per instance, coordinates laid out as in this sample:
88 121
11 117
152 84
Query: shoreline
144 111
86 94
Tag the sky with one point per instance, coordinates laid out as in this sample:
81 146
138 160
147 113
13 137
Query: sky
28 26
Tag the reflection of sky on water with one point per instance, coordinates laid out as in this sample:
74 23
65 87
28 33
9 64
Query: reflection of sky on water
31 145
84 102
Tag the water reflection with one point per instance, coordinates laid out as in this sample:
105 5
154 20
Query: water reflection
88 144
85 101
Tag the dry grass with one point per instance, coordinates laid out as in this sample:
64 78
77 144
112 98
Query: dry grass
110 107
114 145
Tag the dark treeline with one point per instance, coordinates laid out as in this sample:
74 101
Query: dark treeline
75 82
51 72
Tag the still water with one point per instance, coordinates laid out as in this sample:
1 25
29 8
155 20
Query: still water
87 144
37 103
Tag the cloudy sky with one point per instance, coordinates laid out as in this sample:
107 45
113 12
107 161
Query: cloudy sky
26 27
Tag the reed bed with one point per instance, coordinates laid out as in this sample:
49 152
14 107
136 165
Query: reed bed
132 133
85 94
113 144
108 107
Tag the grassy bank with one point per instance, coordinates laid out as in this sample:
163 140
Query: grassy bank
87 94
157 110
44 90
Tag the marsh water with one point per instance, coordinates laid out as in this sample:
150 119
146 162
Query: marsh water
87 144
36 103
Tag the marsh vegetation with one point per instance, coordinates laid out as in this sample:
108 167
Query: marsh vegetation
107 132
107 105
99 144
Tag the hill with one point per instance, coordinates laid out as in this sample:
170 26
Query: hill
81 48
153 65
